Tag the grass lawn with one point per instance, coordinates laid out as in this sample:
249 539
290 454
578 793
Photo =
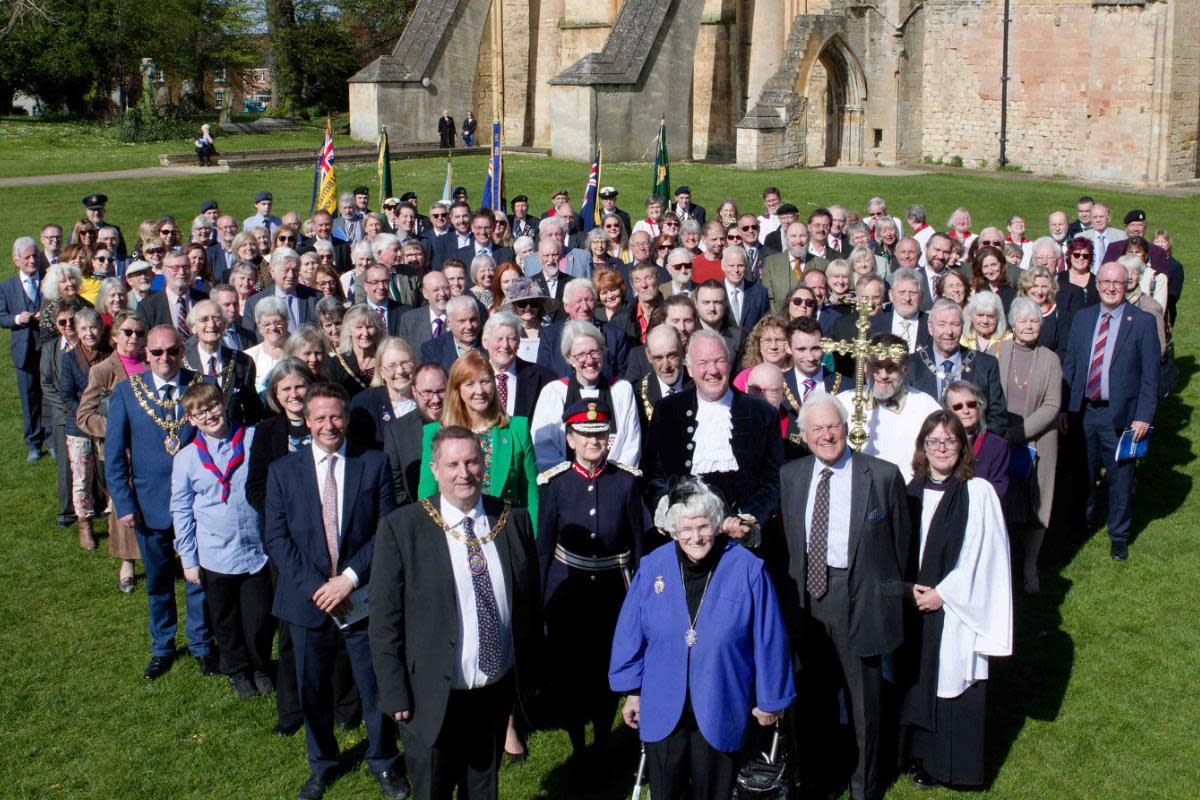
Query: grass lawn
30 147
1098 700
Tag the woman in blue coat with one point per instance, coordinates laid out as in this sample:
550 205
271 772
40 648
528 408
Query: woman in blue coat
700 647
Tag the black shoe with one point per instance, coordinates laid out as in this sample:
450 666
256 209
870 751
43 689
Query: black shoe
350 724
287 730
314 788
263 683
209 665
242 685
393 784
1119 551
158 667
923 780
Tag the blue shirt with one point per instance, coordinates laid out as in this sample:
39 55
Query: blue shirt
1110 344
221 537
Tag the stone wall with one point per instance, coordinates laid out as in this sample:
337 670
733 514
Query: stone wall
1090 89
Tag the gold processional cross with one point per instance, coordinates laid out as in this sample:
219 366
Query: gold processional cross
862 351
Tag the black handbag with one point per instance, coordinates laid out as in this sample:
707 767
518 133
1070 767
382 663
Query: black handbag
767 774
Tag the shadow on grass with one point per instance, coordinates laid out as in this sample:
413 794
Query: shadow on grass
611 777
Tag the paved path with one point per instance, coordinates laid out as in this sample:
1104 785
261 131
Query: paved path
113 175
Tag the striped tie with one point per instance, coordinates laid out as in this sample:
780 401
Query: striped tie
1096 368
181 312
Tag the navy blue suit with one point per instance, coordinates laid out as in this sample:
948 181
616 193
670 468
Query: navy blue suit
442 350
136 465
1132 396
25 346
295 538
756 304
550 356
446 246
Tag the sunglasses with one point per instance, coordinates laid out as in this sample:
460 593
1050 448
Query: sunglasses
166 231
159 352
156 251
991 244
438 216
971 404
748 227
1081 254
66 323
664 247
103 259
130 333
804 302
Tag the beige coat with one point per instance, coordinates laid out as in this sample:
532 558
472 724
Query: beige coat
103 377
1039 421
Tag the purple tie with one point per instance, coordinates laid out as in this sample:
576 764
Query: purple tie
437 327
487 613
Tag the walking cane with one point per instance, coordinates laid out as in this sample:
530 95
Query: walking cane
639 776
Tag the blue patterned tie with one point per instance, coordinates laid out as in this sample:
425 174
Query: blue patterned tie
486 613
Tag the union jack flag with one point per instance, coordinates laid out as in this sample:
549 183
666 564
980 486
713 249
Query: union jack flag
324 196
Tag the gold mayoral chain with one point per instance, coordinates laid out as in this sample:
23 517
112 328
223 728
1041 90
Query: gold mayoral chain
475 560
861 350
145 398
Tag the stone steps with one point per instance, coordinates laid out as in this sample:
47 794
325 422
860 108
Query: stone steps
350 154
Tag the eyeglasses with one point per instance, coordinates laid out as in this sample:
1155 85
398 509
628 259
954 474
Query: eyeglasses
159 352
52 237
941 444
207 412
971 404
1111 284
377 282
588 356
804 302
131 332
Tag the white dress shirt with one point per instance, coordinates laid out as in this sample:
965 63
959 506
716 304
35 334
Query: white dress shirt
818 383
204 356
467 674
339 474
510 388
838 547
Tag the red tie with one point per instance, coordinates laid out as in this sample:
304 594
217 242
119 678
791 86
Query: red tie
502 388
1096 368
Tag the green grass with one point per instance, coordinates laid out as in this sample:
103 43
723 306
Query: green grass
30 147
1098 700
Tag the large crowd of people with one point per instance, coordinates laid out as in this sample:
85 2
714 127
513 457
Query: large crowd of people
476 473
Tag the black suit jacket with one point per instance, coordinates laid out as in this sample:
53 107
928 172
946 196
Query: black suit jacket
559 288
402 443
550 357
647 392
341 253
270 444
445 246
295 535
157 312
241 398
530 380
882 323
880 531
467 255
978 368
217 266
414 612
757 446
370 413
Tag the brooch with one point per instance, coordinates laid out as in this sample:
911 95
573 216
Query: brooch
659 585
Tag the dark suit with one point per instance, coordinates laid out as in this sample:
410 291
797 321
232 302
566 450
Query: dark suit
530 380
341 253
25 347
416 327
370 412
447 246
402 441
981 369
1132 396
236 382
841 637
882 323
395 312
647 391
692 211
550 356
306 307
756 304
756 444
443 350
295 539
157 311
453 735
831 382
498 254
219 262
137 469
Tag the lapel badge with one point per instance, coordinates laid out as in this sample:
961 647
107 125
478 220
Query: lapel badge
659 585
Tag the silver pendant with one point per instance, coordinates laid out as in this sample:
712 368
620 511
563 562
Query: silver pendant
690 637
659 585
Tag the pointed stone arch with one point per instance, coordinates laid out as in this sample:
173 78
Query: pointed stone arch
832 81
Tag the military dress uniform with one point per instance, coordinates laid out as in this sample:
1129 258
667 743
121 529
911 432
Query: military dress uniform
590 529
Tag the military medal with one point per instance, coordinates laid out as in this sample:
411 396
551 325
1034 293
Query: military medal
659 585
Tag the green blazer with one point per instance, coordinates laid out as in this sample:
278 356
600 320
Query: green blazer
512 473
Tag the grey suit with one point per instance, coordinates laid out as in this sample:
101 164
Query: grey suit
416 327
842 636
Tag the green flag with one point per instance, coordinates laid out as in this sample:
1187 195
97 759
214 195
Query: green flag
662 170
384 167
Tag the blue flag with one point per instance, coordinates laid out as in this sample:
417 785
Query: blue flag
589 214
493 186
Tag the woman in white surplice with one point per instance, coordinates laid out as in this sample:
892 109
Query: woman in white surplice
959 590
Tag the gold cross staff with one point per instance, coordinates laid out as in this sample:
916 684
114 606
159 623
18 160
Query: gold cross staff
862 351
